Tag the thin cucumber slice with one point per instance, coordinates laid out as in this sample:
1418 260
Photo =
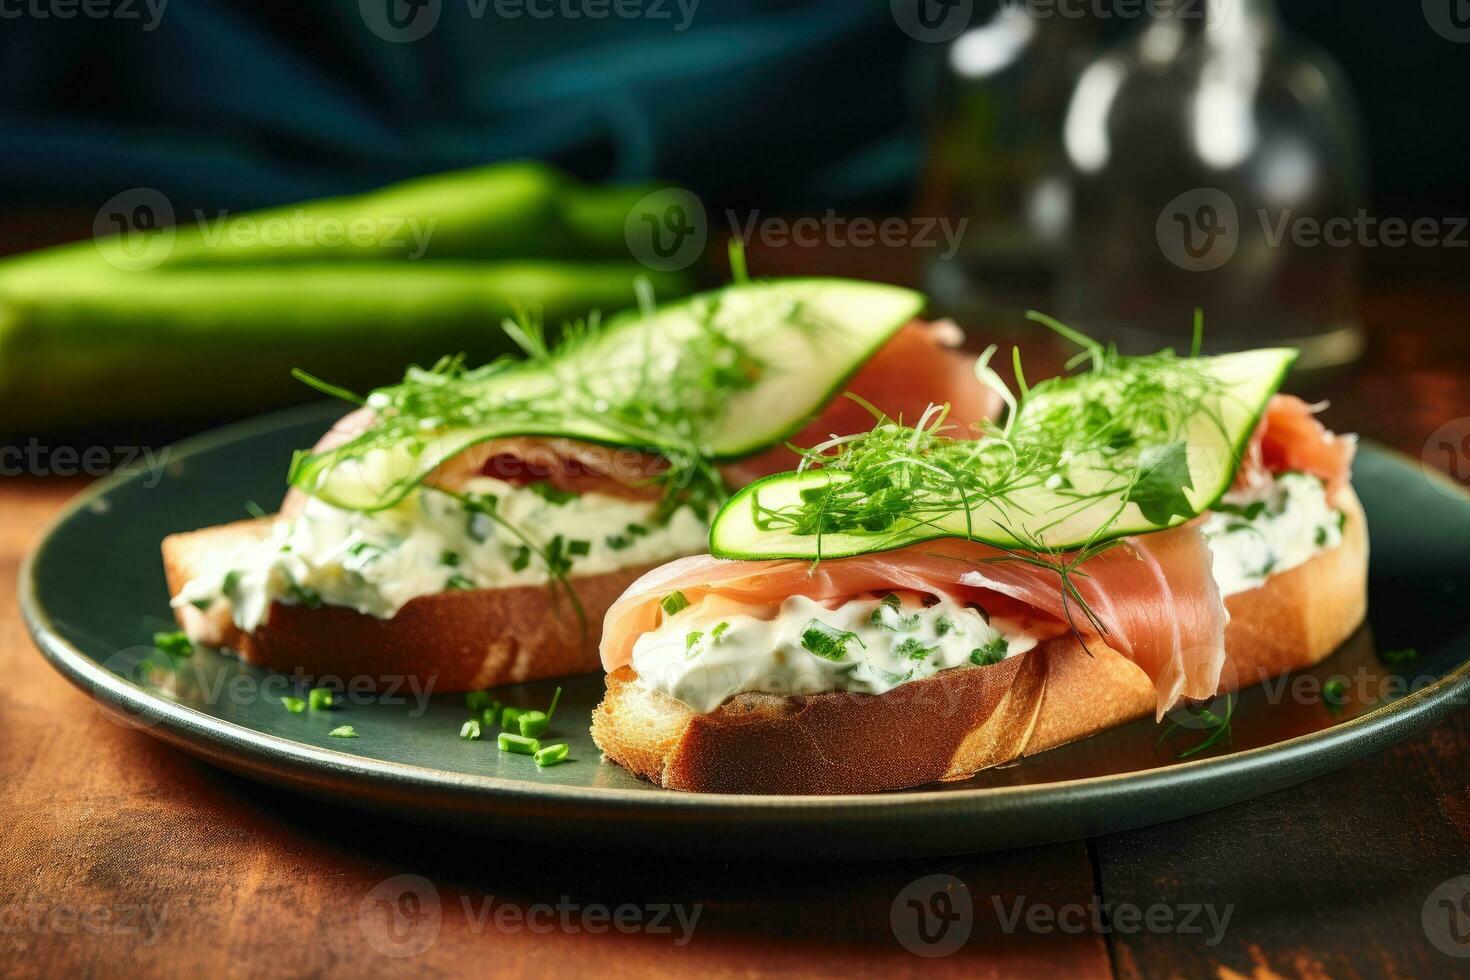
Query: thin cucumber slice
796 342
1144 445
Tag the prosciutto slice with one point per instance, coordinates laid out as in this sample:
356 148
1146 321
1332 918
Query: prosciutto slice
1154 597
1289 438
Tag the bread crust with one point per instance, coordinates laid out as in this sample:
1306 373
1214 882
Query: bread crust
954 724
451 641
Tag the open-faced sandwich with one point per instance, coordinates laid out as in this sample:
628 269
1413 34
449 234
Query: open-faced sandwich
473 526
906 607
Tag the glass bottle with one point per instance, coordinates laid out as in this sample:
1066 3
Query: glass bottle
1212 159
995 168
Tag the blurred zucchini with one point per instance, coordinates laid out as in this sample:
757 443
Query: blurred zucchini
79 344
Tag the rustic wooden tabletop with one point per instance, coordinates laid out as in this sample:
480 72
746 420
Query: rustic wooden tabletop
121 856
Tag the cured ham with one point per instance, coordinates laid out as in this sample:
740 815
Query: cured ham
920 366
1289 438
1153 597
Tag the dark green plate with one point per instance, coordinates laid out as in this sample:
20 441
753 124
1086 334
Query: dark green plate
93 593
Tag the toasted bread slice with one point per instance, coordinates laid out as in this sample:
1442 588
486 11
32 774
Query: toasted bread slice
961 721
457 641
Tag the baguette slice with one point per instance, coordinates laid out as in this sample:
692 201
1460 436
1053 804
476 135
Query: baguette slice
954 724
455 641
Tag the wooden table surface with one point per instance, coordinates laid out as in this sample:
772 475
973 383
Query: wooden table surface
119 855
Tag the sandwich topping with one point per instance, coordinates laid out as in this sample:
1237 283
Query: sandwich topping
487 534
707 652
1270 527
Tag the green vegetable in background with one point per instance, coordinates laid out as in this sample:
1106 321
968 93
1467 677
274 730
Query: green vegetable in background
209 317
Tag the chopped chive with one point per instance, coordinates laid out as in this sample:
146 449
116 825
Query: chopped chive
202 604
886 615
827 642
175 643
1321 539
458 583
305 594
533 723
991 653
617 542
319 699
636 530
944 626
914 649
546 491
470 730
343 731
450 558
690 640
519 744
490 714
674 603
555 700
510 717
719 630
521 560
579 548
293 705
477 701
551 754
1407 655
255 510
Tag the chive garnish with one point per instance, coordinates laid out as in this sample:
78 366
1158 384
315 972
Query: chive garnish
993 652
510 717
690 640
450 558
827 642
293 705
174 642
718 631
551 754
519 744
674 603
477 701
470 730
533 723
1404 656
555 700
521 560
579 548
913 649
319 699
458 582
343 731
551 494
